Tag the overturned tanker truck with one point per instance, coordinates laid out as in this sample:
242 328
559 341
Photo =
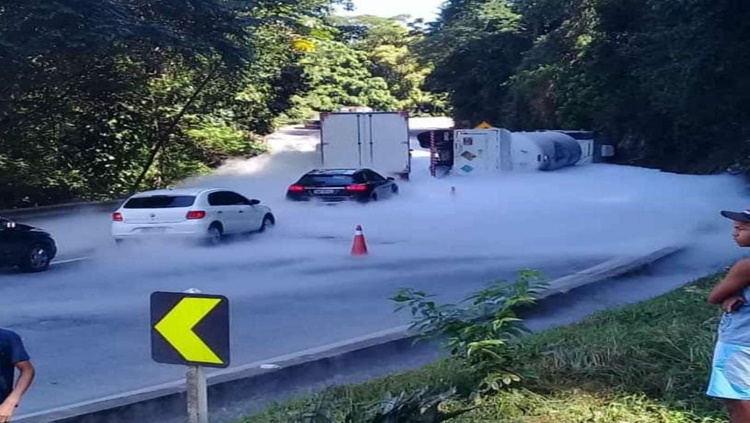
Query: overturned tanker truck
471 151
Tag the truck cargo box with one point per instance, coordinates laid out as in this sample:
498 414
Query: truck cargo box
376 140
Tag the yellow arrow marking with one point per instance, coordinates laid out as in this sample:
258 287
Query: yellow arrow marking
177 328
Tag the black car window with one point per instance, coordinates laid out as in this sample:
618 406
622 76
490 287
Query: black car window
218 198
326 180
359 178
373 176
226 198
160 202
234 199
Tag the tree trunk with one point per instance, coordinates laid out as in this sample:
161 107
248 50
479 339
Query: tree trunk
164 136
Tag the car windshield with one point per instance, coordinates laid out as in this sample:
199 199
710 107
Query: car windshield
326 180
160 202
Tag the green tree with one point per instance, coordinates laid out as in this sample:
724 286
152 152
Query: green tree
475 47
339 76
102 97
365 60
663 79
389 44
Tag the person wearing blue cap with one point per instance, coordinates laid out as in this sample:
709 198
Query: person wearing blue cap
730 369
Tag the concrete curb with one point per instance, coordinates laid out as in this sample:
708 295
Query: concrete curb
166 402
611 268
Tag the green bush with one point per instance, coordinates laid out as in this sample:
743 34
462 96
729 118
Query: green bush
483 334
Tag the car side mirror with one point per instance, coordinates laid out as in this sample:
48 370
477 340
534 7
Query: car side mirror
254 202
390 178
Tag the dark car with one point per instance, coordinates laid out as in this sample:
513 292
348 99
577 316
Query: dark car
312 124
332 185
26 247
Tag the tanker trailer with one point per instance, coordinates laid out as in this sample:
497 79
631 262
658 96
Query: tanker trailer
544 150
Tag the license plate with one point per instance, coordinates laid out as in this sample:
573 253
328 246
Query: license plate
324 191
153 230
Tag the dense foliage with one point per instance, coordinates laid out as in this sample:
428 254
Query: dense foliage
664 79
367 61
101 98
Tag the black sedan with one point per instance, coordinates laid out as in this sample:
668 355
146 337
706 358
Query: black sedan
333 185
26 247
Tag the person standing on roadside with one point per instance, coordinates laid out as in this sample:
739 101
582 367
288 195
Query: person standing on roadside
730 371
13 356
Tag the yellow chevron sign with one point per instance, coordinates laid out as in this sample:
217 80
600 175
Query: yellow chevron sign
190 329
483 125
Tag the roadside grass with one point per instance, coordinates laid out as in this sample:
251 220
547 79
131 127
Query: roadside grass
647 362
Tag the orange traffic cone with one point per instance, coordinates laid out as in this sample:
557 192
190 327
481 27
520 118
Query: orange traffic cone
359 247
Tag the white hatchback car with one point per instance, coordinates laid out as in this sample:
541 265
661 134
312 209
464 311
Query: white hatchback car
204 213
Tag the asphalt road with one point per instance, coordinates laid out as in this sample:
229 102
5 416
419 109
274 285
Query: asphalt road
87 325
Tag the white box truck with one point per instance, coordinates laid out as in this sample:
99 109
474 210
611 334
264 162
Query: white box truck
375 140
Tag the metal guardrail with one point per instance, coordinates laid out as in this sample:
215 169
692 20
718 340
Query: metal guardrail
60 209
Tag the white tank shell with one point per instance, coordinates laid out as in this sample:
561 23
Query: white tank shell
544 150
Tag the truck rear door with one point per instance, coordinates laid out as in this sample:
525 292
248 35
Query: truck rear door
387 147
341 139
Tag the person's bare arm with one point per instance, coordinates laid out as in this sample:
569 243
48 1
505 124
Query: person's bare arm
26 376
737 278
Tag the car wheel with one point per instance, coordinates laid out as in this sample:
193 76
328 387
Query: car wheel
36 259
394 189
214 235
374 197
268 222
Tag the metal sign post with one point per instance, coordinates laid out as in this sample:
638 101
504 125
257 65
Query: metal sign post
197 395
